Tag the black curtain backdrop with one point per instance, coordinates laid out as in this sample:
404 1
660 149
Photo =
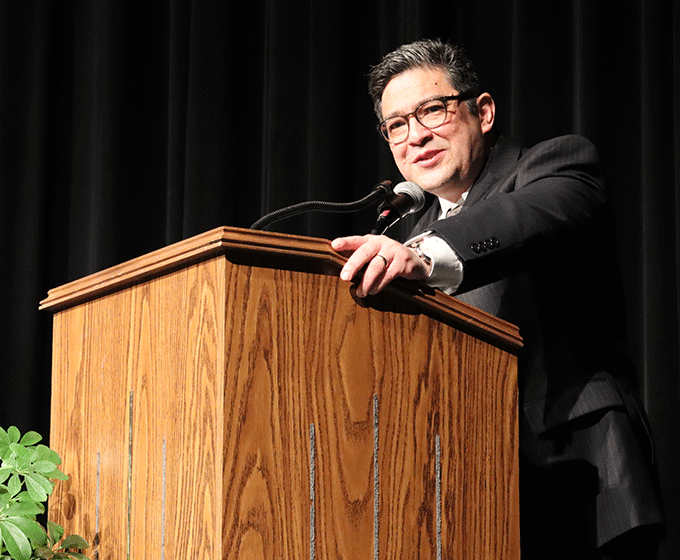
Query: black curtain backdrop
127 125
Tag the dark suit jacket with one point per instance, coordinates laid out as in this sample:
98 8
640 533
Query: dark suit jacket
534 237
536 242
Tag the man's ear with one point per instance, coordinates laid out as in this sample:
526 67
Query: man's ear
486 109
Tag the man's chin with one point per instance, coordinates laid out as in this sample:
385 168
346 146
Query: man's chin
431 186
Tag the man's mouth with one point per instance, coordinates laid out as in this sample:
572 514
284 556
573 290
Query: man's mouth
427 158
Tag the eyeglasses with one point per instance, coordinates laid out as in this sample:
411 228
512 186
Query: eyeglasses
431 114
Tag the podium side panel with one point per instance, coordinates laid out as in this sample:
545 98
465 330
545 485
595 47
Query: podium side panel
90 423
142 438
176 354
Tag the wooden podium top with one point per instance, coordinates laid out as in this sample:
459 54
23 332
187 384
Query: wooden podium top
274 250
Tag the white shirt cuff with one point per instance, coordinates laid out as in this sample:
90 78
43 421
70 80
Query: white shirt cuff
447 268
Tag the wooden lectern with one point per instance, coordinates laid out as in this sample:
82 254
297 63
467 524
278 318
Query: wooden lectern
229 397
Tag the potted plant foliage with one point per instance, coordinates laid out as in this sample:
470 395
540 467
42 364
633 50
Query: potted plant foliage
27 474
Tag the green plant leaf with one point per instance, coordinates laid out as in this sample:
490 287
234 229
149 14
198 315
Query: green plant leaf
78 556
25 498
47 454
38 487
56 474
4 474
55 531
14 485
35 490
32 529
13 434
32 455
74 541
23 509
21 453
43 552
44 467
46 484
30 438
16 542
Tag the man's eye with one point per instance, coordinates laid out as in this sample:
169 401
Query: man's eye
433 108
395 125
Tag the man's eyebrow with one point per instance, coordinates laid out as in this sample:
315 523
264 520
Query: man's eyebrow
391 115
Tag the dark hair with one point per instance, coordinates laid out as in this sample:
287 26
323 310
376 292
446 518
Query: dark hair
427 53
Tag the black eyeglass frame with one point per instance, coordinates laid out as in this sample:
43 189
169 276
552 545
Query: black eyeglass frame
445 98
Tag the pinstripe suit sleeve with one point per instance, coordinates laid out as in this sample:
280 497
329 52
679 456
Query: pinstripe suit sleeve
548 199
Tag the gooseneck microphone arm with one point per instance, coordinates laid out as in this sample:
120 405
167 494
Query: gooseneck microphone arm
379 192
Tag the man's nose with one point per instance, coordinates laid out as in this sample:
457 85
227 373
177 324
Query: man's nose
417 133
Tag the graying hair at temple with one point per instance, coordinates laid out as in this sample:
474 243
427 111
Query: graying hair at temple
432 53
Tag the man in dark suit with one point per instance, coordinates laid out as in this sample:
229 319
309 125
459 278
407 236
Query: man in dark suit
525 235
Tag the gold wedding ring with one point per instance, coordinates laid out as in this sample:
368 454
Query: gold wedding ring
384 260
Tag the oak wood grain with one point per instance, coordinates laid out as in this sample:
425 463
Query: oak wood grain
197 387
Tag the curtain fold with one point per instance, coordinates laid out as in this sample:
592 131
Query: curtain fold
127 126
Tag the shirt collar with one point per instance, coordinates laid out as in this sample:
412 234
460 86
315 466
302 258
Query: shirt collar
446 205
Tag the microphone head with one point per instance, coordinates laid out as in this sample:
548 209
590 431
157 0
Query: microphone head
413 191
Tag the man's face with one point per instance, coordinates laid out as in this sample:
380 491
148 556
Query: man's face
446 160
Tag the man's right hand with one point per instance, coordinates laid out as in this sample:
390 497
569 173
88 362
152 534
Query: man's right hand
384 258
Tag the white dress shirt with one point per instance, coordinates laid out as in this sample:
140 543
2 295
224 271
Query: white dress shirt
446 272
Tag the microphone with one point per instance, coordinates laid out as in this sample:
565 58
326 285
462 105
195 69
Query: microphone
406 198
